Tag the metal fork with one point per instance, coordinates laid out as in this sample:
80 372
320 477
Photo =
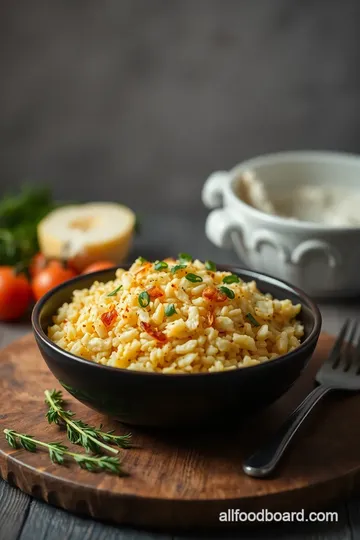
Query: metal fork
340 371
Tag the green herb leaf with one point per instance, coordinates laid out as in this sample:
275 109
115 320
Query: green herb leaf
19 217
209 265
194 278
170 310
11 438
28 443
178 267
58 451
78 432
144 299
229 293
185 257
113 293
122 441
141 259
161 265
231 279
252 319
99 463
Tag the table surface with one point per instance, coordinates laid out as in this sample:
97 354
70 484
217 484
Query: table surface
23 517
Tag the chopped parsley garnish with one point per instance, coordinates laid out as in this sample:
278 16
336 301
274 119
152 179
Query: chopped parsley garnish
194 278
209 265
185 257
178 267
160 265
252 319
229 293
170 310
144 299
113 293
231 279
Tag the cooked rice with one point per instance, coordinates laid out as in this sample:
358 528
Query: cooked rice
208 332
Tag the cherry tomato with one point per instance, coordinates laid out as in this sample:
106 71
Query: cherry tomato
54 274
15 294
38 263
97 266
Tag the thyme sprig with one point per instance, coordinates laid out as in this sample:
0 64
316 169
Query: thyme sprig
92 439
58 452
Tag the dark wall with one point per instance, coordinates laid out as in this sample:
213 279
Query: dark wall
123 99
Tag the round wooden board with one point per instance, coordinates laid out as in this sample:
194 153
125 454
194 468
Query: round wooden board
182 479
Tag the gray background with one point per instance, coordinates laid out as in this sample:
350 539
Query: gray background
139 100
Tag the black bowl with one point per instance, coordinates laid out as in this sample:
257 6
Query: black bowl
153 399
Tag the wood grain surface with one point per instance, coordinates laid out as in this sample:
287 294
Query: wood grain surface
181 479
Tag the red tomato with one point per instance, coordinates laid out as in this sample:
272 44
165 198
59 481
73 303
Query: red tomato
155 292
54 274
97 266
109 317
38 263
15 294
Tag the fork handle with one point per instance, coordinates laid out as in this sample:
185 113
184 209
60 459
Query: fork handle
263 462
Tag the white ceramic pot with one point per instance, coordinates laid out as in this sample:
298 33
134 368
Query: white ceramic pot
321 259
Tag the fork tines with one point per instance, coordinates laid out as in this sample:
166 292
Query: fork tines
346 350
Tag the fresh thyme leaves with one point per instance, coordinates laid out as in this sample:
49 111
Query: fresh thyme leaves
122 441
91 438
58 452
113 293
78 432
26 441
252 319
108 464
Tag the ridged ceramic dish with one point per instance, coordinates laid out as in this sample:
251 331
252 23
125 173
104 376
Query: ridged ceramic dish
321 259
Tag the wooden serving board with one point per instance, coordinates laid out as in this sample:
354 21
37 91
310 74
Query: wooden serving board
182 479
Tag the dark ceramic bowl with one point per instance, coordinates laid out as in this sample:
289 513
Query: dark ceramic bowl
153 399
